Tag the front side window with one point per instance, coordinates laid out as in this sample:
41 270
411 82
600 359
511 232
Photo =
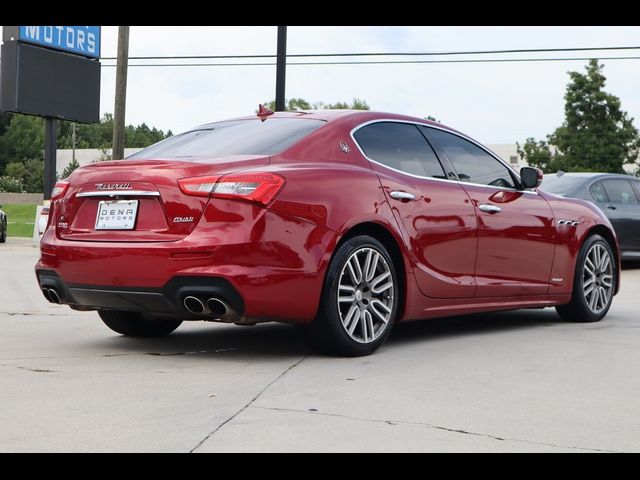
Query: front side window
472 163
400 146
620 191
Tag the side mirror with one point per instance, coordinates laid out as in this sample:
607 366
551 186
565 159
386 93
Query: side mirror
530 177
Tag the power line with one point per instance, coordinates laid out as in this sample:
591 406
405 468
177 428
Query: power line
378 54
380 62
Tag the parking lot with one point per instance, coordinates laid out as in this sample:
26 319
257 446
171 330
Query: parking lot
512 381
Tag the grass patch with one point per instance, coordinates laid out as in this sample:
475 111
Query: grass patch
20 218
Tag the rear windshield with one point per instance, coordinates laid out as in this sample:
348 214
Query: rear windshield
236 137
561 185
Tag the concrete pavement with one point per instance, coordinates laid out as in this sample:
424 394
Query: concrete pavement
513 381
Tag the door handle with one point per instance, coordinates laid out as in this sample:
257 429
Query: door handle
403 196
488 208
611 207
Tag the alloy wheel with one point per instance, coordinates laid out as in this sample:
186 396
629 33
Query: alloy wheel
365 295
597 278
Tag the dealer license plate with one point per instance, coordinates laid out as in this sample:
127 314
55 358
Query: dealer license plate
117 215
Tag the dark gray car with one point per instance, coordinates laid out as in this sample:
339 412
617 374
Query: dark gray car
618 196
3 226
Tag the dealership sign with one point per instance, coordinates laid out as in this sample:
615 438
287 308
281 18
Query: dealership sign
83 41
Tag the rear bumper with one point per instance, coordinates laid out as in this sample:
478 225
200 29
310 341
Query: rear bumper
271 270
166 301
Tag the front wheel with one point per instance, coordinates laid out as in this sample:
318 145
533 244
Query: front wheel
359 300
134 324
3 232
593 284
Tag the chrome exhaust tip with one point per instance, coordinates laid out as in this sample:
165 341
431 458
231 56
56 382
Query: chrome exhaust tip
193 304
217 307
53 296
45 292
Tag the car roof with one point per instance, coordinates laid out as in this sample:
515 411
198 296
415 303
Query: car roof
331 115
589 175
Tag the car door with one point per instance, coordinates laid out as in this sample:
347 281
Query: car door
623 209
435 216
516 232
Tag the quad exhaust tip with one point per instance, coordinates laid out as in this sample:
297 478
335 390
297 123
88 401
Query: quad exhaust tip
217 306
51 294
193 304
214 306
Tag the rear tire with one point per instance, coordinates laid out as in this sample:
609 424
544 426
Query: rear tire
3 235
359 300
133 324
593 283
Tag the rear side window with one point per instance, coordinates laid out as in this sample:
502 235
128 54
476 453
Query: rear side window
236 137
598 193
472 163
620 191
400 146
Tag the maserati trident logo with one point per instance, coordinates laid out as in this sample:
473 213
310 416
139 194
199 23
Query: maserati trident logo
344 147
113 186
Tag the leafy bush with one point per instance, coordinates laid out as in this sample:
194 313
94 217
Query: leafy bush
11 184
30 173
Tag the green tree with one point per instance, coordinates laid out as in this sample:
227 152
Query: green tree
301 104
100 135
291 105
23 139
596 135
357 104
71 166
5 120
538 154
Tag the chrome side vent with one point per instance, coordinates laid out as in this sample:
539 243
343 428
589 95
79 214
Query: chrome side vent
571 223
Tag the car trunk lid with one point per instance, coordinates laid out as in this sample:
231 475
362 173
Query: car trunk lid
139 200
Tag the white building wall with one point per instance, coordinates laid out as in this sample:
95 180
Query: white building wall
86 156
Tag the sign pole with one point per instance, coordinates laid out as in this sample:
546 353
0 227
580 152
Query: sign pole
281 68
50 150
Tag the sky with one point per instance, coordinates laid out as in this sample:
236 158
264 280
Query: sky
492 102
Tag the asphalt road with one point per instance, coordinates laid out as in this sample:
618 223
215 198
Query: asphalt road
512 381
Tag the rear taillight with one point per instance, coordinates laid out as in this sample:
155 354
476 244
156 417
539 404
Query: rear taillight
250 186
59 190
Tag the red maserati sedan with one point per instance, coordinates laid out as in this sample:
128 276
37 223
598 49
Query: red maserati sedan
346 222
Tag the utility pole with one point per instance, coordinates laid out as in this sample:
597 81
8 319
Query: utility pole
121 93
73 142
281 68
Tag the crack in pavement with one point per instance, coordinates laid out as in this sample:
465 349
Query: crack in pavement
432 426
36 370
264 389
41 314
125 354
